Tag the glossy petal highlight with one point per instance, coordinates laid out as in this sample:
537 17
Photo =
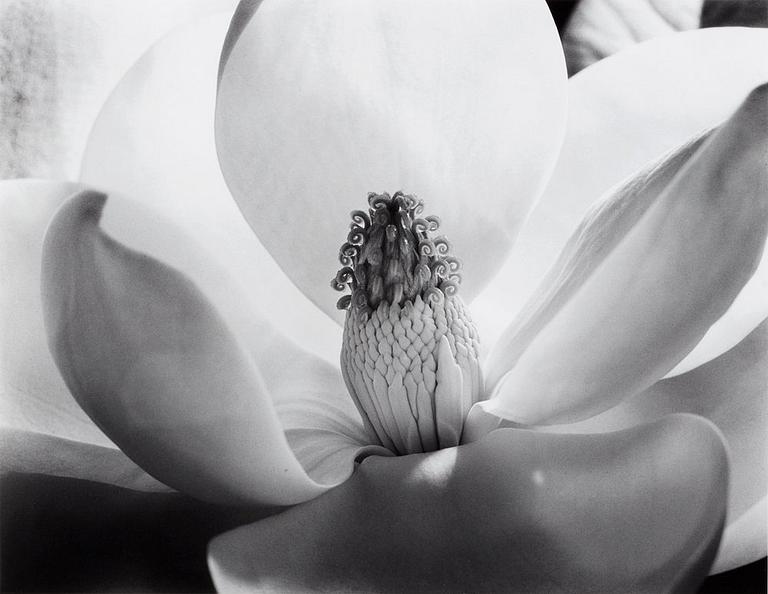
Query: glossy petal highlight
319 103
519 510
153 142
642 280
150 360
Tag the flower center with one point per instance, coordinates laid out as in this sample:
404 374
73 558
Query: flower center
410 351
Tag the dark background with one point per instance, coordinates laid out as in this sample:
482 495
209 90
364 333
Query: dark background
67 535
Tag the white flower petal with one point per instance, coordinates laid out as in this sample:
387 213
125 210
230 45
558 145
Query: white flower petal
157 368
318 416
322 101
639 510
732 392
747 311
624 112
643 279
153 141
59 61
33 396
325 432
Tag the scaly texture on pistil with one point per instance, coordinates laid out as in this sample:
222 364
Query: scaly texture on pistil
410 351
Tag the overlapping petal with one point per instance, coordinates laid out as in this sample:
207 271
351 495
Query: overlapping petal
624 113
731 391
638 510
641 280
315 110
33 396
153 363
599 28
744 539
42 428
32 452
153 142
185 389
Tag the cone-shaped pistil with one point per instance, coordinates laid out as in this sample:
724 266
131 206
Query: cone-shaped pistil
410 351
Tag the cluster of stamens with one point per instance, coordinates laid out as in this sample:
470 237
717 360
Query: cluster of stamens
410 353
391 256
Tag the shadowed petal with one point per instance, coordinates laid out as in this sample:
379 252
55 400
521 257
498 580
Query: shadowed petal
325 432
624 113
599 28
315 410
731 391
33 396
743 539
38 453
638 510
319 103
153 142
42 428
156 367
641 281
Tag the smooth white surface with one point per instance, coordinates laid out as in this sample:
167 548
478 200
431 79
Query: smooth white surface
625 112
320 102
153 142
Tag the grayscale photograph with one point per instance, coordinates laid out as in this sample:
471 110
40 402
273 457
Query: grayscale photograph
384 296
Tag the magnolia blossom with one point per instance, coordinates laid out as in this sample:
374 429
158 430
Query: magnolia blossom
176 332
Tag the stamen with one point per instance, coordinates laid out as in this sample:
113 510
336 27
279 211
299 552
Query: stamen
410 352
393 255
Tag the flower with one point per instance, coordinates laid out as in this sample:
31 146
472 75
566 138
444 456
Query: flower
182 348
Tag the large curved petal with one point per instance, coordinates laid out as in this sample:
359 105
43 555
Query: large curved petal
42 428
59 61
642 280
153 141
319 103
157 368
731 391
633 511
624 112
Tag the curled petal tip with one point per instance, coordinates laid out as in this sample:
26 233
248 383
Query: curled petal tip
650 270
758 97
153 363
91 203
